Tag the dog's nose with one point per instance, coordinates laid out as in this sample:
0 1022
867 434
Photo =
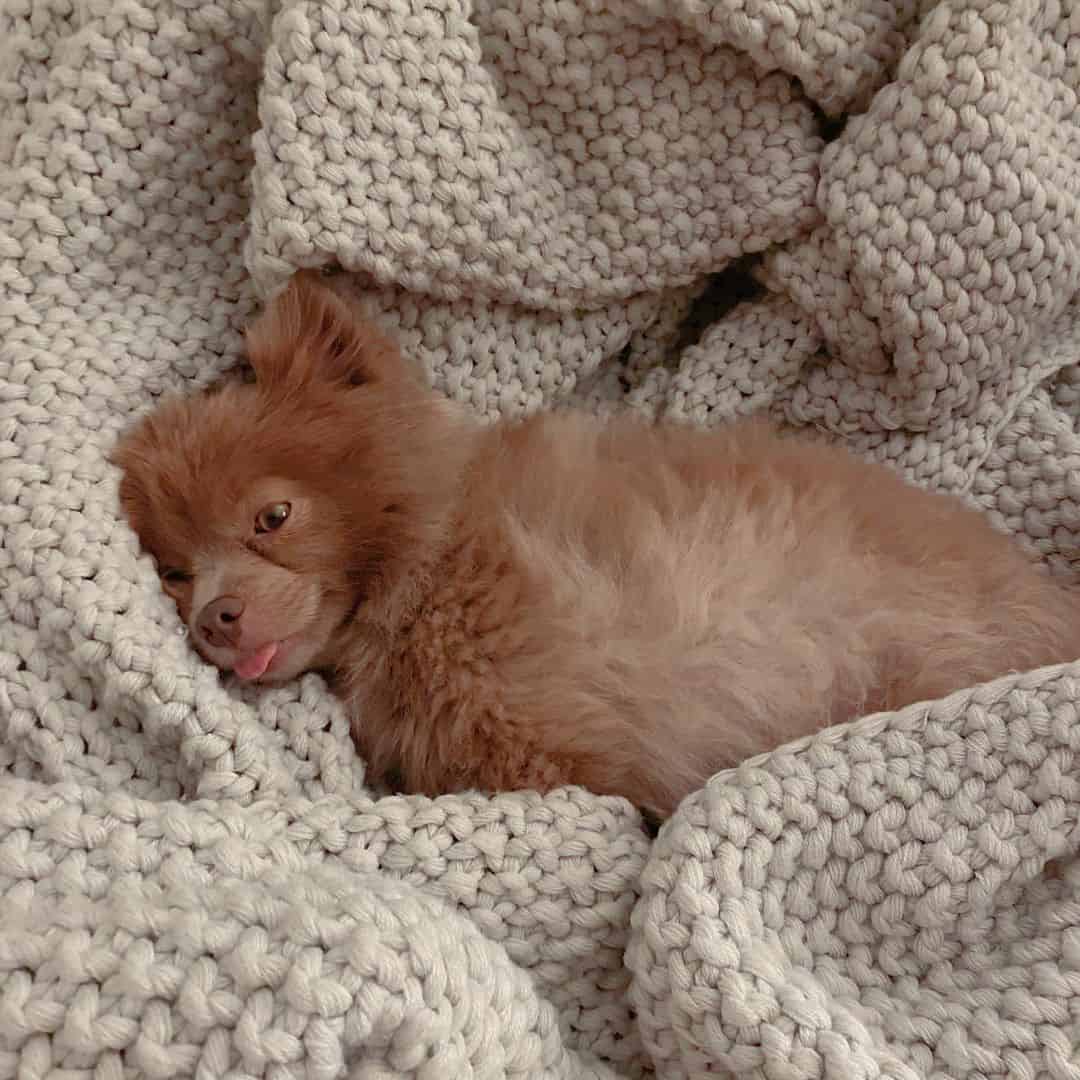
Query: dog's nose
219 621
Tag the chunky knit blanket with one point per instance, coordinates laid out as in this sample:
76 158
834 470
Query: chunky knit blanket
537 198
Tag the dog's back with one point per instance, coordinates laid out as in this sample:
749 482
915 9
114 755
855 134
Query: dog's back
701 597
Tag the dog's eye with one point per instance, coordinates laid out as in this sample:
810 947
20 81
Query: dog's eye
272 517
175 578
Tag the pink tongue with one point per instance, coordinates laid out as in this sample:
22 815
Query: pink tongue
254 664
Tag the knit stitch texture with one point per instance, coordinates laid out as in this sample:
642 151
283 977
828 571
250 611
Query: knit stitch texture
195 879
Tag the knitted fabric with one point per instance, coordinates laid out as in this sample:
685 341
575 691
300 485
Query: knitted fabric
195 879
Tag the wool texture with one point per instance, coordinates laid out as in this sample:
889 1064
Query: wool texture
534 198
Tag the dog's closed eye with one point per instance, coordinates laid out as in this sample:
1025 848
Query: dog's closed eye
175 581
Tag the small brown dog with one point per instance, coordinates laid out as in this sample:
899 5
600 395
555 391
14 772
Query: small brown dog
617 605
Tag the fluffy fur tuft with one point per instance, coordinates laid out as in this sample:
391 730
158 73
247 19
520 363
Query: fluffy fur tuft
622 606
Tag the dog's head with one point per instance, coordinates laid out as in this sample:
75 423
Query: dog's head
276 508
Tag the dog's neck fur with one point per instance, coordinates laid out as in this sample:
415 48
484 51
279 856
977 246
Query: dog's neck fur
406 584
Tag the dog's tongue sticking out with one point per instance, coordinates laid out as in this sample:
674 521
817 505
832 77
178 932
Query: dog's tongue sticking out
252 665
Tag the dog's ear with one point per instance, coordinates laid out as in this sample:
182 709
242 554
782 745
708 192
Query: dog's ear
307 333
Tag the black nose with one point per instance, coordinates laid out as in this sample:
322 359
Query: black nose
219 621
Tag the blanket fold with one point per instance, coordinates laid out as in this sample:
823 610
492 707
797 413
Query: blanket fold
873 902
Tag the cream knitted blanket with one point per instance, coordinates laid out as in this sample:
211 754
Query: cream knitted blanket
532 194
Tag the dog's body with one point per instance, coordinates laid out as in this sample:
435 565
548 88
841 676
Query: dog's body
621 606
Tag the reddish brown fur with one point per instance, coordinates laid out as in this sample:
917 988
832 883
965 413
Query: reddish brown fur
621 606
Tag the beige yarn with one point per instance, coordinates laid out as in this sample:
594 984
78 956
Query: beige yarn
196 881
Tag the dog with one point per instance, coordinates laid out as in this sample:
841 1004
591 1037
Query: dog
625 606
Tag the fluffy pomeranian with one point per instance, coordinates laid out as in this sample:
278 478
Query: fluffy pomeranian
623 606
